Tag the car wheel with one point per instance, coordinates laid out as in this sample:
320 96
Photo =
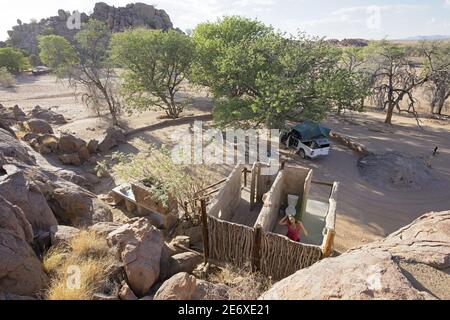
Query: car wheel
302 153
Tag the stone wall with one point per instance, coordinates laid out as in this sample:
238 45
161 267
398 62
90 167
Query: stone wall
272 203
225 203
291 180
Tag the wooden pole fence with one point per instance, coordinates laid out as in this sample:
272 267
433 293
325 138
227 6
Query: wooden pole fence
205 230
256 258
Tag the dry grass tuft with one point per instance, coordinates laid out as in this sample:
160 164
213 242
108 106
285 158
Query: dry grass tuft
79 269
244 284
89 244
54 259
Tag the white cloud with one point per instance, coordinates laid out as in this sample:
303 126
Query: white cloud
255 3
188 13
447 3
390 7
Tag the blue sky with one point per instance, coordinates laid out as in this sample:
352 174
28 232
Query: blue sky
372 19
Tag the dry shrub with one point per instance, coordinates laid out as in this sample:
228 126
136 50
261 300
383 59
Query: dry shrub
89 244
168 178
54 259
245 285
87 255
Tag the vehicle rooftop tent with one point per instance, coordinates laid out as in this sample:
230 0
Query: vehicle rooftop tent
310 130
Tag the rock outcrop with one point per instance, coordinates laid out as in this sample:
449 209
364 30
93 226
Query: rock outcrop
10 116
349 42
182 262
76 206
62 234
24 35
392 268
113 137
205 290
132 15
38 126
21 271
37 186
47 115
183 286
139 245
27 196
74 150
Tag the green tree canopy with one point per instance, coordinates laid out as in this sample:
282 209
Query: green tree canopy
57 53
156 63
13 60
260 77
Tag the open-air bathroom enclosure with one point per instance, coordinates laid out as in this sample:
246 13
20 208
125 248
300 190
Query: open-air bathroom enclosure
261 242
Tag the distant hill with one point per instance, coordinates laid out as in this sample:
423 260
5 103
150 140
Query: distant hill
349 42
24 35
428 38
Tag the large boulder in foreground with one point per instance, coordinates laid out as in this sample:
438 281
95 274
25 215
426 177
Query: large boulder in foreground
205 290
21 271
139 245
181 262
76 206
411 263
25 194
63 234
180 287
183 286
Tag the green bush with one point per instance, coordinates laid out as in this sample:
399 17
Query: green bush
34 60
13 60
6 79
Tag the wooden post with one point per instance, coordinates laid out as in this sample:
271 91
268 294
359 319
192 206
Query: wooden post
256 257
245 171
328 243
205 230
253 188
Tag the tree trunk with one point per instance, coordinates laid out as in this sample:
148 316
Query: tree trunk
115 121
391 105
439 100
389 114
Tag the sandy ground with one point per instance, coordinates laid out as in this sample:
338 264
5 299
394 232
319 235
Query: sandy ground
365 212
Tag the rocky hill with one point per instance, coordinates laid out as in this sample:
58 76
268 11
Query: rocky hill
412 263
24 35
349 42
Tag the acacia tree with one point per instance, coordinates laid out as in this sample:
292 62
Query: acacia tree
156 63
57 53
352 80
13 60
86 64
260 77
395 77
437 65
